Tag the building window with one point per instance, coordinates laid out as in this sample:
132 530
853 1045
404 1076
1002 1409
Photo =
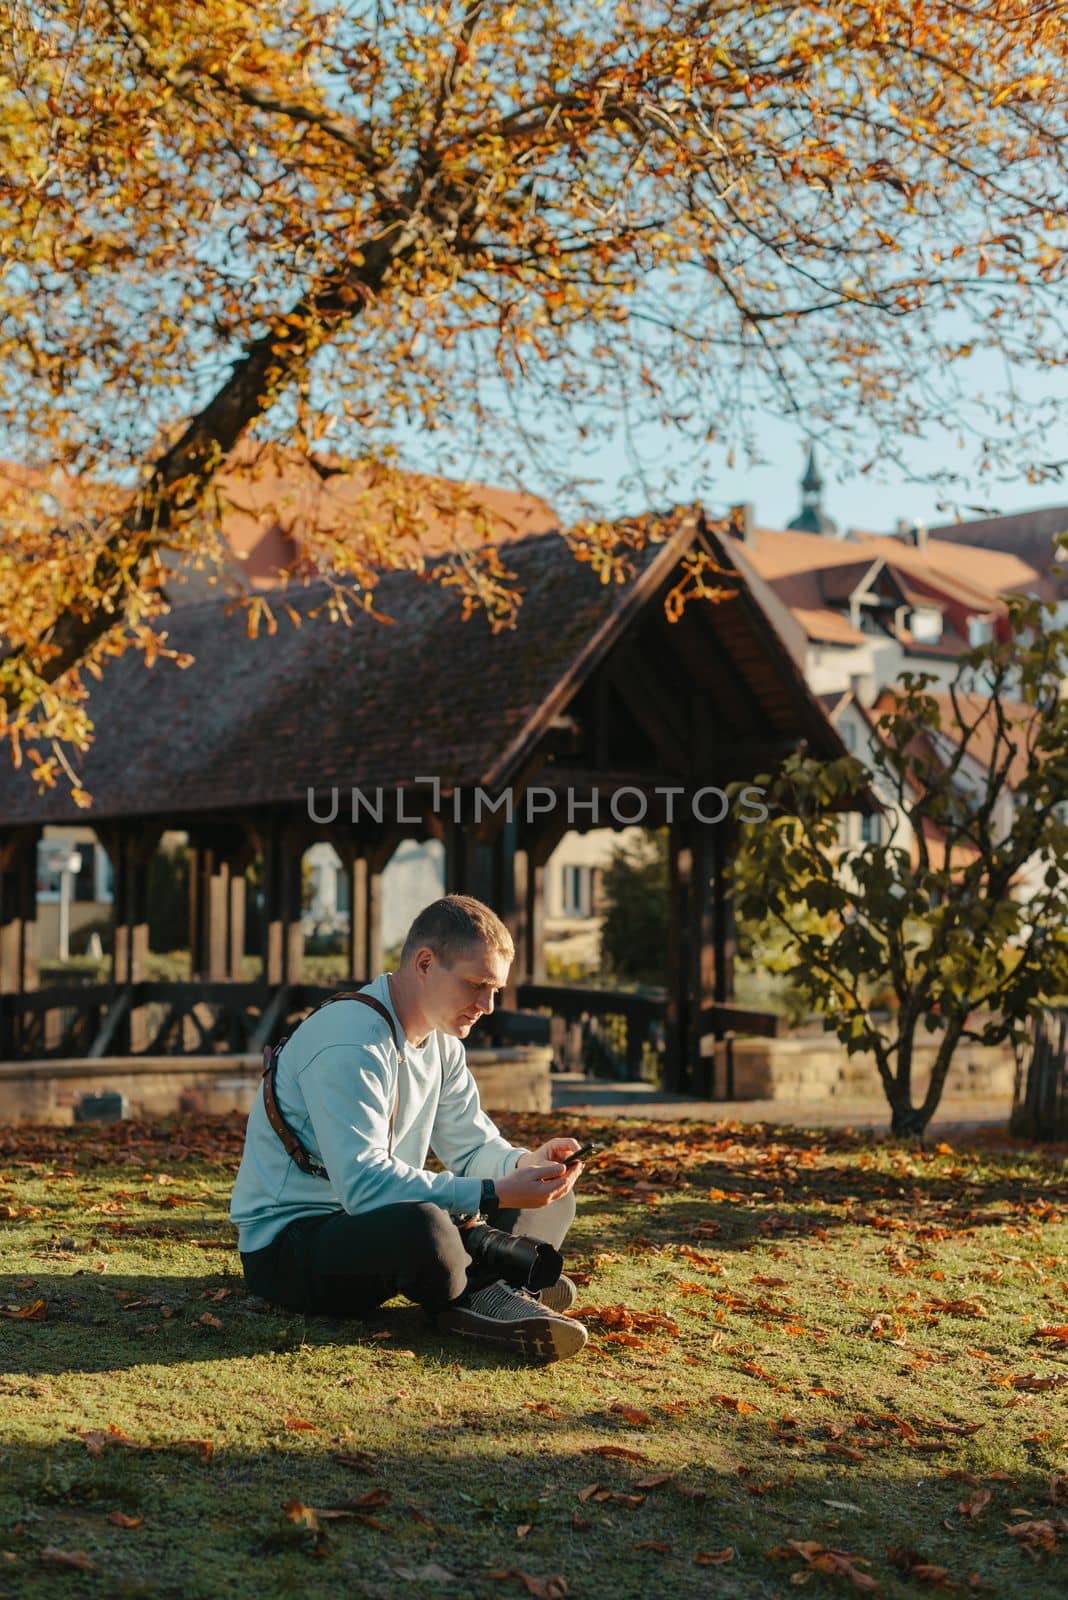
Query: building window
577 891
871 829
926 625
980 630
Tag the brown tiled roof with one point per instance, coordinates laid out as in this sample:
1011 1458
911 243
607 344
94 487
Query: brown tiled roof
257 722
808 570
1026 536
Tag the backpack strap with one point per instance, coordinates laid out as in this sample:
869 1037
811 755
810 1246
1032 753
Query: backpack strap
294 1149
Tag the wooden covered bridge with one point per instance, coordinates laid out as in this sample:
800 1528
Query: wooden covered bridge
594 710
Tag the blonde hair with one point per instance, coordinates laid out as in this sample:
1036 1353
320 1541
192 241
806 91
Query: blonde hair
452 925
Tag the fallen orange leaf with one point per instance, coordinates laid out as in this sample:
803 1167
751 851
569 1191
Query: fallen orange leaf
615 1450
976 1505
121 1520
36 1311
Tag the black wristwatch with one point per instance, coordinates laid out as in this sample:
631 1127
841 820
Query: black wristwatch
490 1203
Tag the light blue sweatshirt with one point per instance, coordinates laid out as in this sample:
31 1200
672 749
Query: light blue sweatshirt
336 1079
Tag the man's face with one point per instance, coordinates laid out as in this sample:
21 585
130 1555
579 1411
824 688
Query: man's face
453 998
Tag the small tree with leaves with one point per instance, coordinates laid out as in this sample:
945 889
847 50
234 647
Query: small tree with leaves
968 928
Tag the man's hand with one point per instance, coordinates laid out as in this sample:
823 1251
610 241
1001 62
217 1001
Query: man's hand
551 1150
540 1175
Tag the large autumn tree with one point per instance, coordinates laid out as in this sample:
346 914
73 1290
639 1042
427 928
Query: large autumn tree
480 226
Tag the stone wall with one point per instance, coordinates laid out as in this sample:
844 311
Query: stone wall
819 1069
514 1079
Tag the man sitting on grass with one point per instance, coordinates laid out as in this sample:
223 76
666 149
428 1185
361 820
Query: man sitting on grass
335 1210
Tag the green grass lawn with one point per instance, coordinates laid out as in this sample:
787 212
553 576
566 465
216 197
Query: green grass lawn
817 1359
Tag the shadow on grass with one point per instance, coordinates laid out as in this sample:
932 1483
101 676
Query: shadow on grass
448 1513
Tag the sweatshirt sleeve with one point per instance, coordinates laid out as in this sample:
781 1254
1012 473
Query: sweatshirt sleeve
349 1097
463 1137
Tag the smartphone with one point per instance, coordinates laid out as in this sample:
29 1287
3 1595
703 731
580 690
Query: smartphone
583 1153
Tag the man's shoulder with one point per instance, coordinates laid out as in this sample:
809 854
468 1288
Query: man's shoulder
343 1021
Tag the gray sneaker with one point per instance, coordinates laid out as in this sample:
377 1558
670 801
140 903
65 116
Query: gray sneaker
516 1321
560 1296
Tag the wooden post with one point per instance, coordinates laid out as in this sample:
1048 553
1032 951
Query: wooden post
680 873
364 955
19 972
373 914
358 952
690 953
283 935
724 933
235 953
131 849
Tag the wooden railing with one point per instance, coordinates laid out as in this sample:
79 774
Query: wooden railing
607 1033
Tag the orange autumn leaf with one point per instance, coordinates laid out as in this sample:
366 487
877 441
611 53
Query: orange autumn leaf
617 1450
729 1403
637 1419
975 1505
714 1558
300 1425
917 1566
834 1563
122 1520
1054 1335
36 1311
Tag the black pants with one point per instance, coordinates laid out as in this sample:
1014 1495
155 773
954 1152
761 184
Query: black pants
345 1266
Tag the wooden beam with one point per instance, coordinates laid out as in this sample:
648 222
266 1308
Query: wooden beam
283 935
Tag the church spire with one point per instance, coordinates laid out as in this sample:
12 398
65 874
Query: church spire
812 518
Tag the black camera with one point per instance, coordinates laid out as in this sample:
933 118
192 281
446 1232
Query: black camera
524 1263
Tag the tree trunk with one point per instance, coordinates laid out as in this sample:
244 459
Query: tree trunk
906 1120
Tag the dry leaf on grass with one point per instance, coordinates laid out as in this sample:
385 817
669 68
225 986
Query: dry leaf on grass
1037 1535
97 1440
729 1403
714 1558
554 1588
652 1544
917 1567
36 1311
299 1425
80 1560
637 1419
543 1408
616 1450
975 1505
835 1563
121 1520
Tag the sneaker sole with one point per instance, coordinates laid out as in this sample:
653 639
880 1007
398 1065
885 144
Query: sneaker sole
536 1339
